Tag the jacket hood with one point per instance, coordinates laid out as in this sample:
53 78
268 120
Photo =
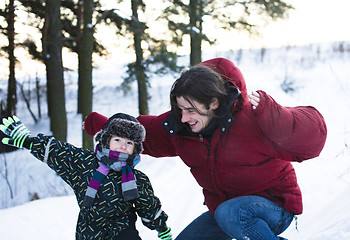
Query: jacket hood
230 72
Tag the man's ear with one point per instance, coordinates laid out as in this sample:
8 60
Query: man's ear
214 104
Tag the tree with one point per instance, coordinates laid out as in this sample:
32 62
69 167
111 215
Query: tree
156 55
196 31
227 14
49 17
85 44
78 38
9 14
138 29
157 51
52 39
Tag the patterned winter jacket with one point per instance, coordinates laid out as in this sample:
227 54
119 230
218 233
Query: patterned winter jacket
110 214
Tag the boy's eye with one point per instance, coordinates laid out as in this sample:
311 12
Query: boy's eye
130 143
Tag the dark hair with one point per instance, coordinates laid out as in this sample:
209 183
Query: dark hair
202 84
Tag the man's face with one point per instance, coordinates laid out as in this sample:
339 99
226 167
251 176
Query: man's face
195 114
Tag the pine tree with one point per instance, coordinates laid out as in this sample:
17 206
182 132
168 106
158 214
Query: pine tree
227 14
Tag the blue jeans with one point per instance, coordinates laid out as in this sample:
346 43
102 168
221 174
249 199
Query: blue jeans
246 218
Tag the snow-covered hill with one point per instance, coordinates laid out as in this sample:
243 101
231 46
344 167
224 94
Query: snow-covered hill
319 75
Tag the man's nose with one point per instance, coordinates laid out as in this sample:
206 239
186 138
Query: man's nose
184 117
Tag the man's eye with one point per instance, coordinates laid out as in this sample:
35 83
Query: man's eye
188 110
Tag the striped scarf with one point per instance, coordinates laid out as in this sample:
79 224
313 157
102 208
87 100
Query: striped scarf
116 161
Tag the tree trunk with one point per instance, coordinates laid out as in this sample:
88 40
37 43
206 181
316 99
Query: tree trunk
78 35
85 69
12 90
54 71
140 70
196 31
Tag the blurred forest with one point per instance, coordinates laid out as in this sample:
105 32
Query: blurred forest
52 32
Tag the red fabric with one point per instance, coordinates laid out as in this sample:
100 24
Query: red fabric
94 122
253 157
229 71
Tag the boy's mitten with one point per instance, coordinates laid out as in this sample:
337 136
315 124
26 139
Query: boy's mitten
17 132
166 234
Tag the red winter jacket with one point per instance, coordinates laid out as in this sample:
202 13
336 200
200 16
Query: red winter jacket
253 156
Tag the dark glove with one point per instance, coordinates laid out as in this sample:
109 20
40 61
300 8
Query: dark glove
166 234
17 132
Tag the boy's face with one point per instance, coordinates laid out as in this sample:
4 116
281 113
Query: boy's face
122 145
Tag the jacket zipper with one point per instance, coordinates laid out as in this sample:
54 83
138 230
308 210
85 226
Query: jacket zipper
201 139
211 172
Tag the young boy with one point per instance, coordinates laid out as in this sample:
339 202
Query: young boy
108 189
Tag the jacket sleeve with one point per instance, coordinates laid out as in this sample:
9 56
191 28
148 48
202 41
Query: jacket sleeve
65 159
148 206
158 142
298 133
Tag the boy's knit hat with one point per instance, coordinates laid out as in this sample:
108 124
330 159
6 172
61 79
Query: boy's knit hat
125 126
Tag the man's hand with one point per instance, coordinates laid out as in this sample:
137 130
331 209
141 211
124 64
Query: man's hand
254 99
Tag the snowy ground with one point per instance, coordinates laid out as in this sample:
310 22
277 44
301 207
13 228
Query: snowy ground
319 73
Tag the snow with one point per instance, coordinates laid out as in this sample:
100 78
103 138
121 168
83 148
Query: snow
319 74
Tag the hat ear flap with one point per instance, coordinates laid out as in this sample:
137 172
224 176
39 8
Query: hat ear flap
98 136
102 137
138 149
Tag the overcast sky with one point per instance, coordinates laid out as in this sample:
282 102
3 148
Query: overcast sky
311 21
